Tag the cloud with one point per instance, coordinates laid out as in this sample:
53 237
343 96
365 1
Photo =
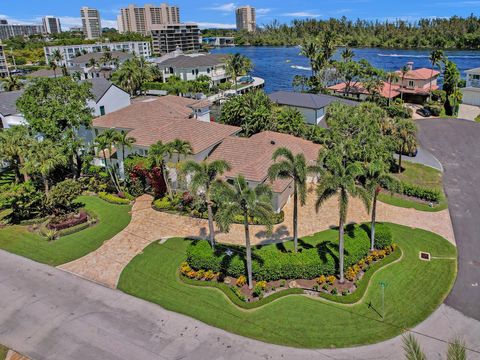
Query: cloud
302 14
209 25
263 11
228 7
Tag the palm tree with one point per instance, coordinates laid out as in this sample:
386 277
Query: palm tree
106 141
156 157
12 83
180 148
377 175
413 351
404 71
436 58
309 49
55 58
241 199
405 132
14 143
391 78
339 177
106 58
292 167
347 55
237 65
43 158
124 141
203 176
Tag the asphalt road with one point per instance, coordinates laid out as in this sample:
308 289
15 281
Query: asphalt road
456 144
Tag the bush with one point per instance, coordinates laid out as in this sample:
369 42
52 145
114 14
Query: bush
259 288
419 192
80 218
162 204
60 199
242 280
24 199
399 111
477 119
383 237
113 199
321 280
270 264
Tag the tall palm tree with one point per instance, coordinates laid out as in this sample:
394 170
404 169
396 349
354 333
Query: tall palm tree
43 158
181 149
125 142
391 78
347 54
55 58
203 176
411 347
405 132
106 141
404 71
238 64
339 177
377 175
309 49
436 58
156 156
14 144
241 199
12 83
292 167
106 58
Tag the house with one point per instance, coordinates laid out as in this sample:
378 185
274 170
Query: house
312 106
471 93
164 119
191 66
9 114
252 157
82 64
414 84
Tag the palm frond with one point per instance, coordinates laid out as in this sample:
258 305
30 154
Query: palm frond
412 348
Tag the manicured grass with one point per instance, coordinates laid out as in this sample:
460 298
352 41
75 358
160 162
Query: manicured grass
414 290
420 175
111 220
3 352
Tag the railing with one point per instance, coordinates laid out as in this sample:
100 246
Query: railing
474 83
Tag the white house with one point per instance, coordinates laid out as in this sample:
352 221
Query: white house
471 93
312 106
8 109
82 64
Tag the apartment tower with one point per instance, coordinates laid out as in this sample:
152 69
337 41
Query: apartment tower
246 18
51 25
142 19
91 24
169 37
3 62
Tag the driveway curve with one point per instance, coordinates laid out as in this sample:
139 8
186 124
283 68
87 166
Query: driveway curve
456 144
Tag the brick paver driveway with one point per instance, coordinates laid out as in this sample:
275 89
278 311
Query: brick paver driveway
147 225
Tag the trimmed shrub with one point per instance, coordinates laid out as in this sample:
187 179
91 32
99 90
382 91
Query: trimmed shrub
113 199
383 237
77 219
423 193
162 204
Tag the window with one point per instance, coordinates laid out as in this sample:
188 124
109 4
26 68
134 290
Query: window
208 71
411 83
102 110
476 77
193 72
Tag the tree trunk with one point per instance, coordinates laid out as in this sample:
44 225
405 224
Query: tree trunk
389 93
165 178
45 184
210 224
341 249
400 161
401 88
431 75
295 217
374 214
16 169
248 251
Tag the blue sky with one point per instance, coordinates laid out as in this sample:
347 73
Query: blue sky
221 14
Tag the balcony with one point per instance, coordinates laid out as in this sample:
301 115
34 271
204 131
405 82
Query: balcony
473 83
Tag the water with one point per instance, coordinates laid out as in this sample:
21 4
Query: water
278 65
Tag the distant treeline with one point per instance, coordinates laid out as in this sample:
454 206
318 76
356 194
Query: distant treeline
451 33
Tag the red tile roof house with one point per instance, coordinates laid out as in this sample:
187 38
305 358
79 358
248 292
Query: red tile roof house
252 157
415 86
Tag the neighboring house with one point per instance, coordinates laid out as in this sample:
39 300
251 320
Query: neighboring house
101 68
312 106
9 114
164 119
191 66
471 93
252 157
415 85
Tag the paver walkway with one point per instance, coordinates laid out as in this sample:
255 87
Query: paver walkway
147 225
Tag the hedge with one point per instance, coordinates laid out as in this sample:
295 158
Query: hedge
270 264
113 199
419 192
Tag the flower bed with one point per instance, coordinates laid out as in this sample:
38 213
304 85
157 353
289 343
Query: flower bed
54 228
68 221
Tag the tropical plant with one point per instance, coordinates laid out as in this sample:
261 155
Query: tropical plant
292 167
413 351
203 176
436 58
403 71
24 199
181 149
106 58
291 121
451 79
55 58
240 199
125 142
156 157
62 196
236 65
14 145
338 176
347 54
104 143
11 83
405 132
391 78
309 49
131 75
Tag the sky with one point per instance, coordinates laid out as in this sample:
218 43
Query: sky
213 14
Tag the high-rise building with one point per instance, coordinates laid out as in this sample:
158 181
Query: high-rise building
52 25
9 30
91 24
141 19
3 62
246 19
167 38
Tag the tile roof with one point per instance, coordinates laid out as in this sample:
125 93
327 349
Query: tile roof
304 100
358 88
419 74
252 157
85 58
8 101
166 118
184 61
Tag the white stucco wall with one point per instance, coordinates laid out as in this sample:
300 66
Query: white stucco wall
114 99
12 120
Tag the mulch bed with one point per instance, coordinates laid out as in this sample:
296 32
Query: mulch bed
68 221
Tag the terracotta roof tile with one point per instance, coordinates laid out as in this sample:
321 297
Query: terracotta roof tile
419 74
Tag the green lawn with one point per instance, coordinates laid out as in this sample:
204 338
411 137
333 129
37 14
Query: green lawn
414 290
112 219
420 175
3 352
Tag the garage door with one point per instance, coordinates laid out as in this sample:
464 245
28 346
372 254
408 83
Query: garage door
471 97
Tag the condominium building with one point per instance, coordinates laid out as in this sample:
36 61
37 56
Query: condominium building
141 19
3 62
10 30
246 19
52 25
91 24
169 37
68 52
